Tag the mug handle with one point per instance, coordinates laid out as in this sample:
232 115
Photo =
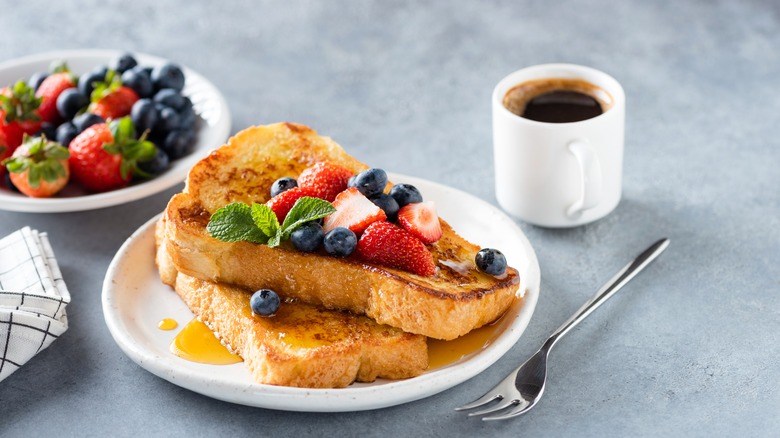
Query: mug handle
590 178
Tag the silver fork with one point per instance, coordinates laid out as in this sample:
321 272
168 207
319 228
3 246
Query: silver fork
523 387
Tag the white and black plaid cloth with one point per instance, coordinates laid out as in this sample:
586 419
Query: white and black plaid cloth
33 297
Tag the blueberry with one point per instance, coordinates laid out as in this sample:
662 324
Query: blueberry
87 81
157 138
388 204
70 102
84 121
187 103
137 79
170 97
308 237
65 133
144 115
124 62
9 183
177 144
491 261
101 70
168 76
283 184
340 242
405 194
187 116
351 182
371 182
264 302
49 130
36 79
167 119
157 165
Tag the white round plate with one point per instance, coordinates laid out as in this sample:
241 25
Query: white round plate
213 130
134 301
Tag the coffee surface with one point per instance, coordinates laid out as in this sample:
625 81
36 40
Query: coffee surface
557 100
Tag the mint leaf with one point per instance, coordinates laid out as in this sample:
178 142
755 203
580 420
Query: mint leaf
265 219
305 209
233 223
274 240
258 223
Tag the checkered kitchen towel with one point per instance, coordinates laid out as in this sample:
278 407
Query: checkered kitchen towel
33 297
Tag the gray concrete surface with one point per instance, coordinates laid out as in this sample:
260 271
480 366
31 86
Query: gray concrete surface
690 348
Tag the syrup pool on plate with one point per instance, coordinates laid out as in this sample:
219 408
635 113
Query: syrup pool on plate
167 324
442 353
197 343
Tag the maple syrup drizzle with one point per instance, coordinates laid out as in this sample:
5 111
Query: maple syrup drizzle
197 343
441 353
167 324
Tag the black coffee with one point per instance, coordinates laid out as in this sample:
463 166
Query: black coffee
557 100
562 107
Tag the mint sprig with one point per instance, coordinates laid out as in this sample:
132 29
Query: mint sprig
305 209
265 219
233 223
258 223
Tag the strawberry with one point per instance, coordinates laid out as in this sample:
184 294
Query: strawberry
11 135
114 104
421 220
353 211
326 178
283 202
18 115
110 99
105 156
49 90
389 245
39 168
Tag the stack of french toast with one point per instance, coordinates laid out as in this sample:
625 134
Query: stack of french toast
342 319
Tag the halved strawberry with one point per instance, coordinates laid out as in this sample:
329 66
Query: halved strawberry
282 203
50 90
326 179
389 245
420 219
353 211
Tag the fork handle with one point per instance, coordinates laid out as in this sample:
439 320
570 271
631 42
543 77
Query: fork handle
613 285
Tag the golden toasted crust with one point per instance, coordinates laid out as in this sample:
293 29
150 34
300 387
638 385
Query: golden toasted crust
301 345
456 300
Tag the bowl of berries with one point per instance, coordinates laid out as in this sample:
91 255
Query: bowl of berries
88 129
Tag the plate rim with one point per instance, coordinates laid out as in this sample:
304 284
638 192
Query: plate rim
268 396
131 193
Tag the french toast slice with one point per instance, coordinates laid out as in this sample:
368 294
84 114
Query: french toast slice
456 300
301 345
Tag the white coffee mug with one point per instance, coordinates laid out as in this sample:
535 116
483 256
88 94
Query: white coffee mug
559 174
